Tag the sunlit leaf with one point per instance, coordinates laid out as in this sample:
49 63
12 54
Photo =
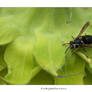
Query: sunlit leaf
20 62
48 50
42 78
33 39
72 72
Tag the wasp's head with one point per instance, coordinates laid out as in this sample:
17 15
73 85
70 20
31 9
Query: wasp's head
72 44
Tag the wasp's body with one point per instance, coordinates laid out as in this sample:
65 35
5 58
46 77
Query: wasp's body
78 42
81 41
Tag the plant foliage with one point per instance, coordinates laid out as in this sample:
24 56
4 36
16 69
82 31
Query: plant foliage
31 46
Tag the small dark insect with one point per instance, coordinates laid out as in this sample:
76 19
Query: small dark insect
78 42
81 41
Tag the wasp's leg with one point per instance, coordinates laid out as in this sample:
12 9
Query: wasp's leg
74 50
84 49
85 52
73 37
67 50
86 45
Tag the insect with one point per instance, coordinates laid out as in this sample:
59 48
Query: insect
81 41
78 42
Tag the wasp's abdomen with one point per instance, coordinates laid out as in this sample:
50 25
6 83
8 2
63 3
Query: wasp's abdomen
87 39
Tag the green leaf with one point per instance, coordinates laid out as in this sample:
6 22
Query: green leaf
20 62
48 50
88 77
36 35
2 61
42 78
72 72
87 56
2 75
8 31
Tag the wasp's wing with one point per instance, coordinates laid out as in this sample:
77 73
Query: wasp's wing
83 29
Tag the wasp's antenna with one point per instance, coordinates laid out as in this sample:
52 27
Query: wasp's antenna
66 43
72 74
73 37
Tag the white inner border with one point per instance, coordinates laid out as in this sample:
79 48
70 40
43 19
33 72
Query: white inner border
46 88
45 3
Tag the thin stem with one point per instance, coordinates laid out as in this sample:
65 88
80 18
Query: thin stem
87 59
72 74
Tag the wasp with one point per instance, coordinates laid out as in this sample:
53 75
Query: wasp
78 42
81 41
